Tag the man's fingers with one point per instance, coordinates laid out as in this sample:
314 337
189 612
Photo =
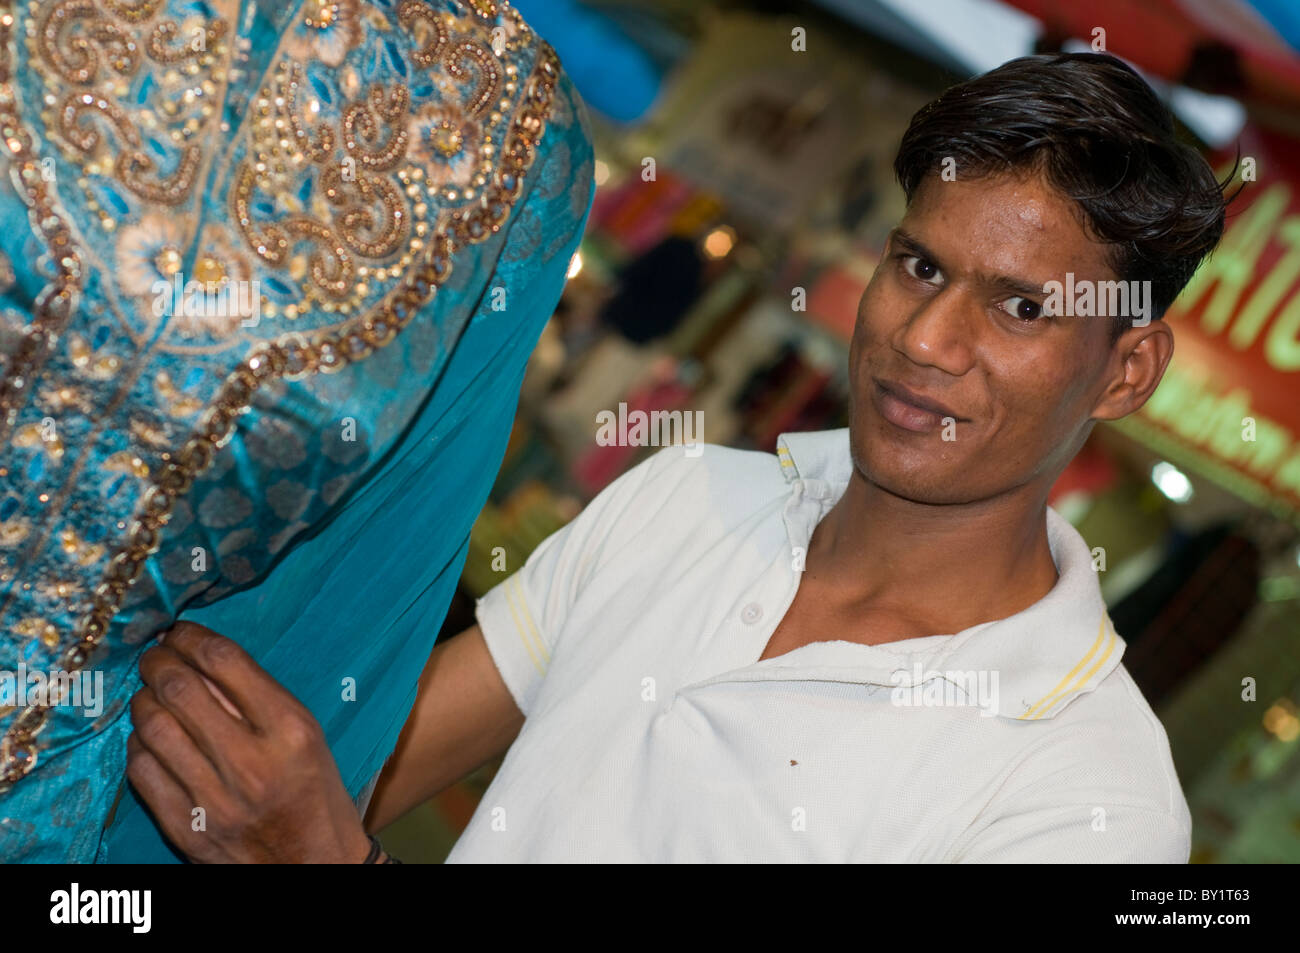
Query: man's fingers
161 733
172 807
259 698
180 688
221 698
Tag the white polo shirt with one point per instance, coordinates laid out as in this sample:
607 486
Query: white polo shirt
630 639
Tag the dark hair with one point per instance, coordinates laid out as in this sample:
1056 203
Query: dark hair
1099 134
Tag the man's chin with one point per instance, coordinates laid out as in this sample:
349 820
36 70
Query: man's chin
927 485
920 494
909 467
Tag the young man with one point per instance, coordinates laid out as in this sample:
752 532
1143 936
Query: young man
878 645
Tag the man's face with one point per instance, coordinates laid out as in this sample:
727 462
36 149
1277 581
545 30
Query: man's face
952 320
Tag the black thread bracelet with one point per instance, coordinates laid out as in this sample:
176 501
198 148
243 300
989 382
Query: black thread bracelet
376 850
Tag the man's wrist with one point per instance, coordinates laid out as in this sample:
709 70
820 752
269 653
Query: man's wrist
373 851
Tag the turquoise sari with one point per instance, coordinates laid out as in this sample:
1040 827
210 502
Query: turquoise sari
404 182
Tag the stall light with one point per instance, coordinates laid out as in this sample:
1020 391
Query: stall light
718 243
1280 720
575 265
1279 589
1172 482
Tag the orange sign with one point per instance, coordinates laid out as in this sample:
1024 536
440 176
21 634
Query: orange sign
1230 400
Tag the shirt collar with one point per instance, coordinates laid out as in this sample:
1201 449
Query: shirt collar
1046 656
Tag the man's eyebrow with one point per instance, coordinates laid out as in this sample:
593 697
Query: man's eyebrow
914 244
1017 285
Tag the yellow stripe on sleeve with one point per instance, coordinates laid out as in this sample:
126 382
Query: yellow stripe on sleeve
524 630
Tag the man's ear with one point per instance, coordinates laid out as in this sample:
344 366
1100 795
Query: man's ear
1138 362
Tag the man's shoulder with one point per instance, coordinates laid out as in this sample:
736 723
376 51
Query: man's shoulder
710 476
1118 712
699 494
1115 745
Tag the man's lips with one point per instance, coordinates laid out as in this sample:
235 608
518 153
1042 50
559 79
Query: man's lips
908 409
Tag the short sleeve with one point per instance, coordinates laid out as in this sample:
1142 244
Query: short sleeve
1081 833
1100 787
521 618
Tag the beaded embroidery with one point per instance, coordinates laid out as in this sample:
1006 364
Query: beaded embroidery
347 199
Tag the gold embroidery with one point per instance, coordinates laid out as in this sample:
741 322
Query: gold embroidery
55 400
365 215
359 117
464 59
292 355
133 168
59 297
33 627
79 64
13 531
87 364
80 44
80 551
58 589
164 34
372 218
175 400
133 12
35 435
335 28
124 461
144 432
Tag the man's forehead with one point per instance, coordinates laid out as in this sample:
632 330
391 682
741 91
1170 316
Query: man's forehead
1003 223
1031 214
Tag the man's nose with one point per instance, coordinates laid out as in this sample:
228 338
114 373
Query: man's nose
940 332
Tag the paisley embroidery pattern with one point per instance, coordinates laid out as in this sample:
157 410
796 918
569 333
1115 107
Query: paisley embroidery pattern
86 56
368 179
384 139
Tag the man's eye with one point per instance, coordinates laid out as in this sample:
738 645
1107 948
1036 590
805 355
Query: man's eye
1022 308
920 268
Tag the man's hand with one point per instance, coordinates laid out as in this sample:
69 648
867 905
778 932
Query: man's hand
214 731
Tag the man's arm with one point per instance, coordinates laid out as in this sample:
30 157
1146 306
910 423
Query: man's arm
463 717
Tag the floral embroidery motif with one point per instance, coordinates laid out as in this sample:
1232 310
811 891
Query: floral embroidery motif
149 252
447 142
327 30
150 256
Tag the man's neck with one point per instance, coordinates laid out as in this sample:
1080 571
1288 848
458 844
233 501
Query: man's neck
946 568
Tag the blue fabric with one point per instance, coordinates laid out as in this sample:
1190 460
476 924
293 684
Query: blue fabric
1283 16
332 528
613 74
